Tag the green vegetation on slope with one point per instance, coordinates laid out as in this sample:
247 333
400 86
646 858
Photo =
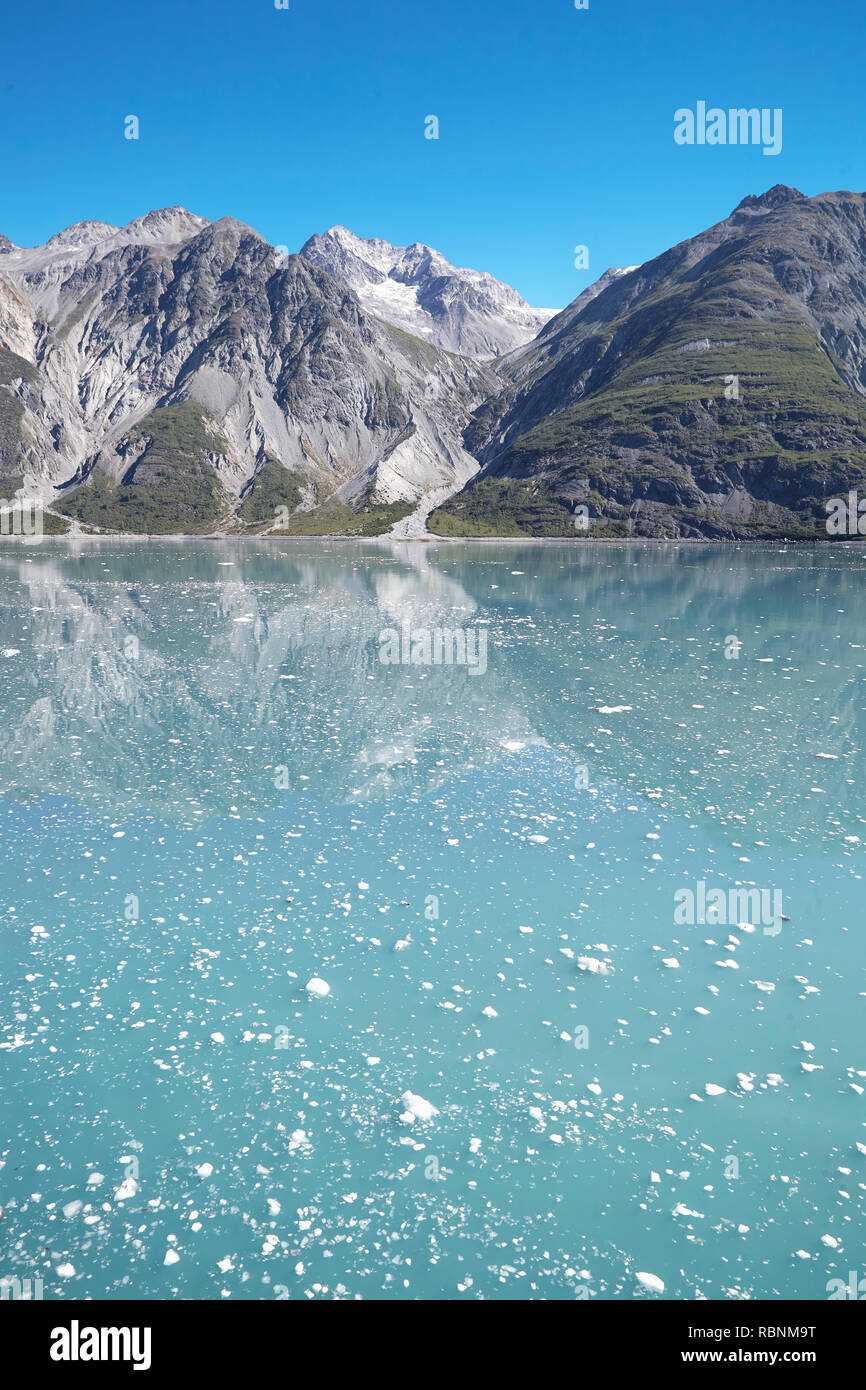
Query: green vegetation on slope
336 519
173 487
272 487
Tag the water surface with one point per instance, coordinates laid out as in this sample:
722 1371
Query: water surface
212 790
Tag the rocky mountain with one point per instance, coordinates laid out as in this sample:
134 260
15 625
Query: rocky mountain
415 288
182 375
177 374
716 391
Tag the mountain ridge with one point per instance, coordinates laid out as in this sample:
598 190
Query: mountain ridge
717 391
183 374
416 288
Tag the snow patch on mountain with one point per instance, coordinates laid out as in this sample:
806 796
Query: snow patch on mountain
417 290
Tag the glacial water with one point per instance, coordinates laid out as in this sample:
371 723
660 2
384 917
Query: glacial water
213 790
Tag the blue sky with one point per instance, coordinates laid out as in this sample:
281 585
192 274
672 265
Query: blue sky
556 125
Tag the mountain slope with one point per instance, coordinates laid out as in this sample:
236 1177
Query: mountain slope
717 390
415 288
166 364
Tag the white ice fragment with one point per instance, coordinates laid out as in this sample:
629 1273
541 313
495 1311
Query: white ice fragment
650 1281
417 1106
317 988
593 966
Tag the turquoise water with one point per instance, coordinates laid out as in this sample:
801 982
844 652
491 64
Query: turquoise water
213 790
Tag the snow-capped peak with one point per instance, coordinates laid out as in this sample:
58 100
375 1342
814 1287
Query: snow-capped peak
416 289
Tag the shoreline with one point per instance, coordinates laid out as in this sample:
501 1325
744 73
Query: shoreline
130 538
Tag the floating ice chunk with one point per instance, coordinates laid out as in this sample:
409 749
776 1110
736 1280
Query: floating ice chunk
807 1046
66 1271
127 1189
474 1146
671 963
861 1147
489 1012
802 1254
317 988
95 1179
204 1170
72 1208
712 1089
401 945
682 1210
830 1241
417 1106
613 709
746 1080
225 1265
217 1038
274 1207
655 1178
764 985
699 1009
650 1281
594 1087
171 1257
591 966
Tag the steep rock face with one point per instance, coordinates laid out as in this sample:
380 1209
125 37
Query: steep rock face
415 288
280 360
717 390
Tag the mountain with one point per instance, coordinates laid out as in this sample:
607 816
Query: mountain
415 288
181 375
177 374
716 391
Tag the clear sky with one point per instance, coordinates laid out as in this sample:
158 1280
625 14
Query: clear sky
556 124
